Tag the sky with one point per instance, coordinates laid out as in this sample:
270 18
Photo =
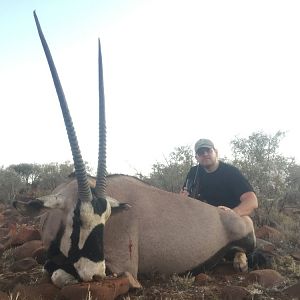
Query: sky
174 72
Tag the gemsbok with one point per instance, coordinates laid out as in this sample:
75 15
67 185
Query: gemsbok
154 231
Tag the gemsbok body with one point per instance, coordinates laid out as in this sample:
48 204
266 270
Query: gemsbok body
160 232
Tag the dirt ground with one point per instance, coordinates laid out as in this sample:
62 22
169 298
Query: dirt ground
220 283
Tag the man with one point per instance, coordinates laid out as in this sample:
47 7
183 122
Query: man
219 183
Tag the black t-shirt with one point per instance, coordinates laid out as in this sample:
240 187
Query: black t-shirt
221 187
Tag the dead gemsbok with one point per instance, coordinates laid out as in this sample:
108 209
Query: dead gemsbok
161 232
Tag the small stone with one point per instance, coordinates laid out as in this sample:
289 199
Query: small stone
265 245
234 293
22 235
293 291
26 250
296 255
108 289
267 278
202 279
24 264
45 291
267 232
4 296
40 255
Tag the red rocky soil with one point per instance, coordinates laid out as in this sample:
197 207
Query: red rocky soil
22 276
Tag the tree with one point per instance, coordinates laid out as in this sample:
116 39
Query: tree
51 175
292 197
170 175
10 184
258 158
28 173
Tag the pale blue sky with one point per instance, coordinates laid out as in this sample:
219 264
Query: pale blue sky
174 71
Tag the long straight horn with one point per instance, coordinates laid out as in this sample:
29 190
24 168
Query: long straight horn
84 190
101 170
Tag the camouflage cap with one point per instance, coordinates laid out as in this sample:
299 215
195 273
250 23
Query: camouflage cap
203 143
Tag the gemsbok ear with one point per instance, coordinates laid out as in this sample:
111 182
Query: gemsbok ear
116 206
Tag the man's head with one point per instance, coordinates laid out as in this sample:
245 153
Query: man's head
206 154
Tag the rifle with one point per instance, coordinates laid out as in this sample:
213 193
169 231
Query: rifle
192 185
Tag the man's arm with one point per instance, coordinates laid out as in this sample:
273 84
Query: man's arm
248 204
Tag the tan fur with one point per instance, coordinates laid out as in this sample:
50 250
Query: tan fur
166 232
161 232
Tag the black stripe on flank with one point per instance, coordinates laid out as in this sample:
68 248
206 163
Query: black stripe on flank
247 243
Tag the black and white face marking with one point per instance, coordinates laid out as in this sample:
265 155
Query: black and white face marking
82 240
79 237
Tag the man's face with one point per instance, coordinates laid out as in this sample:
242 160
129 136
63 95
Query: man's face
207 157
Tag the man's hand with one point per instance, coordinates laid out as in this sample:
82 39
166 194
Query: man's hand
184 192
225 208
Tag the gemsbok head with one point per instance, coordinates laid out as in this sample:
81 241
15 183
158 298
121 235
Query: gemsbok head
75 249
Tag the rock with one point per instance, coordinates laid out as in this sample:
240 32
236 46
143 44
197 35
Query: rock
27 249
267 278
265 245
22 235
296 255
9 212
4 296
133 283
293 291
202 279
224 269
234 293
2 249
2 218
267 232
3 232
291 211
107 289
44 291
40 255
7 285
24 264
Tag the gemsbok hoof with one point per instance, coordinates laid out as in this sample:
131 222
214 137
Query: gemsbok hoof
240 262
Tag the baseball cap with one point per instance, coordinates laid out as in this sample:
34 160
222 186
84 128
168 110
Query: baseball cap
203 143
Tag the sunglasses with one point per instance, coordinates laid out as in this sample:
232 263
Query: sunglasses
204 150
